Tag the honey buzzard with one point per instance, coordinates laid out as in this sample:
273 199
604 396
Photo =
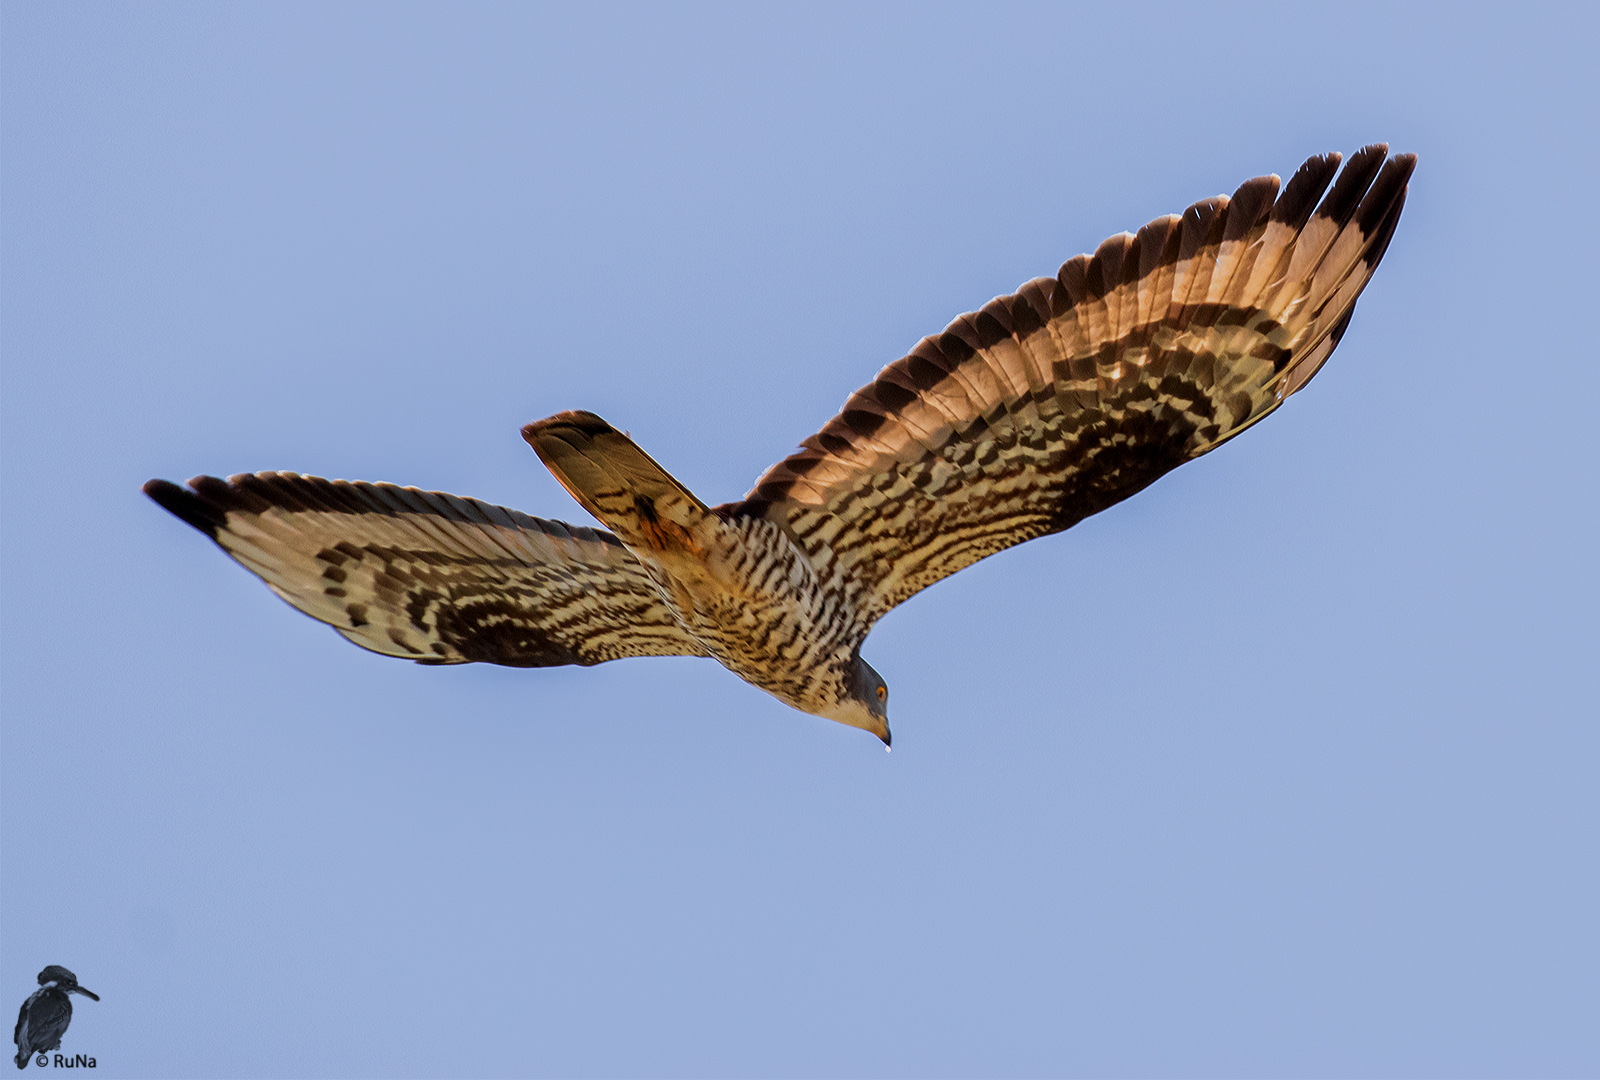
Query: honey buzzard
1017 421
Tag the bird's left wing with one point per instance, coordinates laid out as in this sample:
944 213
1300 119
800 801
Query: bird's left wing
18 1032
1050 405
433 577
40 1024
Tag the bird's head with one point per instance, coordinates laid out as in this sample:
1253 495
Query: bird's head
866 699
65 981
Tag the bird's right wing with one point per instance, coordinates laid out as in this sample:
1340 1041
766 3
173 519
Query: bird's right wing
1050 405
433 577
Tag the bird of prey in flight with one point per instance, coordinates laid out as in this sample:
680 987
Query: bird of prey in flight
1016 421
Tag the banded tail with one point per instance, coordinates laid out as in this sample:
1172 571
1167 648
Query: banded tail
619 483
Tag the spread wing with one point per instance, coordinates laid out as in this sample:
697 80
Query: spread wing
1050 405
433 577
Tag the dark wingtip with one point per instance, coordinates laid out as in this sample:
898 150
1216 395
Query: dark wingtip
1385 191
1250 206
1385 232
1305 187
1353 182
186 506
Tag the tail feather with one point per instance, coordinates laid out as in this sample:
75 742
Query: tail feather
616 481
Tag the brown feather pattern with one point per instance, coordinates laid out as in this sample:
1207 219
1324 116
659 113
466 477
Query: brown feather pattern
1077 391
433 577
1016 421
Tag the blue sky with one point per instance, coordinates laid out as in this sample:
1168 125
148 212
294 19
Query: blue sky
1288 766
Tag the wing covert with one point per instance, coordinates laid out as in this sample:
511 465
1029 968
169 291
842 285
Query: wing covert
434 577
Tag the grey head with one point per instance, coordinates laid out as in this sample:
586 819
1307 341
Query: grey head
65 981
866 705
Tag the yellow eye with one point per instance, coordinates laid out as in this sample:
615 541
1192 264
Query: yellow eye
883 693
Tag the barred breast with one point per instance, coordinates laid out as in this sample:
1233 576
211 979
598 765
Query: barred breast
766 610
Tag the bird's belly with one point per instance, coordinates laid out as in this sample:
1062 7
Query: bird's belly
758 606
771 646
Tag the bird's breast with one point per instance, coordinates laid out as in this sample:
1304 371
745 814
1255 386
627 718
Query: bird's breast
763 609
